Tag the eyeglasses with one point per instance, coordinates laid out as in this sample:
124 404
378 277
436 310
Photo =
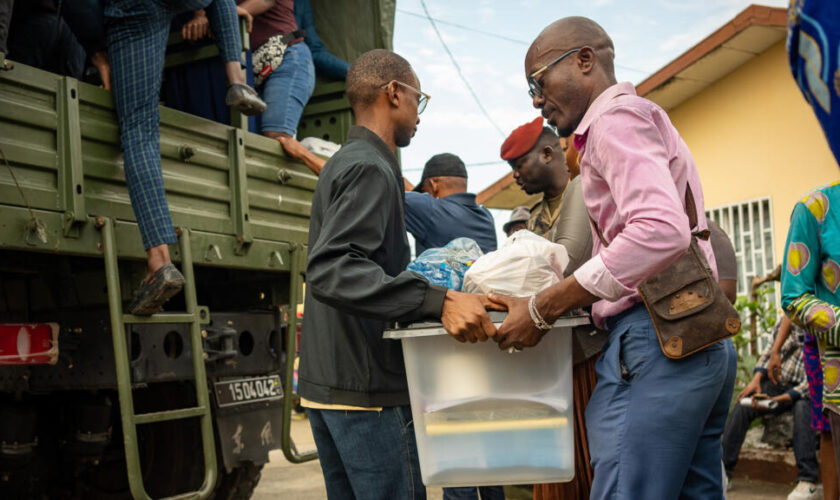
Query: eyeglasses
535 87
422 101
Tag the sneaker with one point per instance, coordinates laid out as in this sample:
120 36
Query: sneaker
156 290
245 99
806 490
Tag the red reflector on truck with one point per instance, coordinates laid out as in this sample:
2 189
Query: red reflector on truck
28 343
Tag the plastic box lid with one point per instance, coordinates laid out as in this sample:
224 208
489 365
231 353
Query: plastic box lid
429 328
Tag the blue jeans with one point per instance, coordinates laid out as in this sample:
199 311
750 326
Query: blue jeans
287 90
472 493
655 424
368 455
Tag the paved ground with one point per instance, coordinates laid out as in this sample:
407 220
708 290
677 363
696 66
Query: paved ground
283 480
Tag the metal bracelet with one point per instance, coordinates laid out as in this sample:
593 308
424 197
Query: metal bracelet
535 315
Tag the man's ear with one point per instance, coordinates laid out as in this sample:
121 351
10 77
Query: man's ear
391 90
432 185
546 154
586 60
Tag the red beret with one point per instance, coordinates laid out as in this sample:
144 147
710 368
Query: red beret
521 140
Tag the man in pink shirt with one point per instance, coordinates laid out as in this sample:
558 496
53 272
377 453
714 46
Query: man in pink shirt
654 424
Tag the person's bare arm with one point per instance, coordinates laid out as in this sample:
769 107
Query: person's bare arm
257 7
774 362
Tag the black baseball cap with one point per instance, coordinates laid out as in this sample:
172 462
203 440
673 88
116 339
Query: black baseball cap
442 165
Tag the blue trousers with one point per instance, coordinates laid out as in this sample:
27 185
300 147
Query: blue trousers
655 424
287 90
474 493
368 455
137 31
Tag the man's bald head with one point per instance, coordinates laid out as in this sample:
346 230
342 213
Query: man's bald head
371 71
568 65
573 32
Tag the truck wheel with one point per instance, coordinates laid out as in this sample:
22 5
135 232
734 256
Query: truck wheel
238 484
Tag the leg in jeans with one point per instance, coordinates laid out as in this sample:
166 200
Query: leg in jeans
804 442
474 493
736 431
286 92
335 477
704 479
645 401
374 452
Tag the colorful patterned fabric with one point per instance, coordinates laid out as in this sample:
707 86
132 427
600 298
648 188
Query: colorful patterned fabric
811 276
813 45
137 32
813 370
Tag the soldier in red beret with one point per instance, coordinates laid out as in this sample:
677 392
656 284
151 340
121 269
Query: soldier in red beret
539 165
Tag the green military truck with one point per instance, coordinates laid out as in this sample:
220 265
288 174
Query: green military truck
96 403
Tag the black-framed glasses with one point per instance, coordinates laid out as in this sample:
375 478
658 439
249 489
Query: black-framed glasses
534 86
422 101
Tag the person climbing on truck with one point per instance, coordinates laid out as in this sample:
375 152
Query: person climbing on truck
136 35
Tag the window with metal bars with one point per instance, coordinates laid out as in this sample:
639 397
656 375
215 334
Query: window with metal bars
749 226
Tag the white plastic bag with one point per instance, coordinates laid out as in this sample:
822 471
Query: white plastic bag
524 265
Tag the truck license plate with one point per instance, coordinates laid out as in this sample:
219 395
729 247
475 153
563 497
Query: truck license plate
248 390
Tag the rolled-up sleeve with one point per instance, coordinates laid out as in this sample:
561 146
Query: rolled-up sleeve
631 156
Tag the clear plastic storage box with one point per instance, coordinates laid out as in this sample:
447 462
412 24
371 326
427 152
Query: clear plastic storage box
483 416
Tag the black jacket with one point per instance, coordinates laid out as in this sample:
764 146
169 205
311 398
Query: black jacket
356 280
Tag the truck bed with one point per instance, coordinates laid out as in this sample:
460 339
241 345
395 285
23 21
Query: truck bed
246 203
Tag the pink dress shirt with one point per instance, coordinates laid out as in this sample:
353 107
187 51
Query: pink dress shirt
634 169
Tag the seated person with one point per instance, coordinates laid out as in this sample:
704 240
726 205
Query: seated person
440 209
791 394
136 37
518 220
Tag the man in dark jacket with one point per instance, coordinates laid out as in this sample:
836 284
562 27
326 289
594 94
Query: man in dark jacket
439 209
352 380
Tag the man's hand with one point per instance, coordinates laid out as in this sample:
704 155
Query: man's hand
196 28
774 367
244 14
780 399
752 388
465 318
518 329
103 66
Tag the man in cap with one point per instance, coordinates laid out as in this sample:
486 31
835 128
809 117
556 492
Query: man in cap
351 379
539 166
635 171
518 220
439 209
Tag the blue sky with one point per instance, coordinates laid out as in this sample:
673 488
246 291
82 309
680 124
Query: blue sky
648 34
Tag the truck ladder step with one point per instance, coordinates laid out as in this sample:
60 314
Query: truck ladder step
194 316
163 416
158 318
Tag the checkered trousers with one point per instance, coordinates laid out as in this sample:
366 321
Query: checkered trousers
137 31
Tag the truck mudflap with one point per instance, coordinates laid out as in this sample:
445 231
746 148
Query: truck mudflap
249 427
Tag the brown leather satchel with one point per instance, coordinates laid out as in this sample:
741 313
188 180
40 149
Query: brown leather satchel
685 302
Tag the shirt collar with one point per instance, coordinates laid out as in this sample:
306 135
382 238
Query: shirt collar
360 133
597 108
462 198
